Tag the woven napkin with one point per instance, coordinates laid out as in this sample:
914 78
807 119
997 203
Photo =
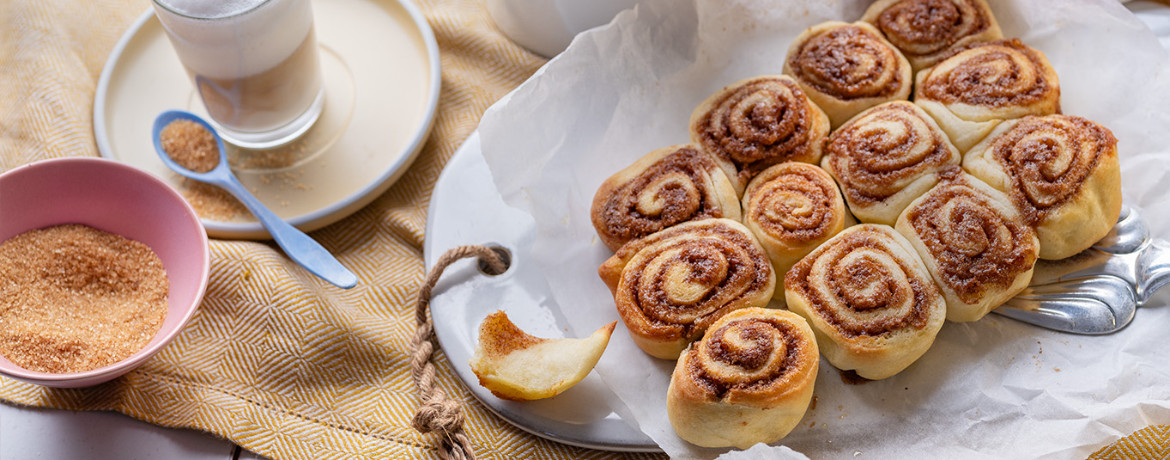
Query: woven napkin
276 360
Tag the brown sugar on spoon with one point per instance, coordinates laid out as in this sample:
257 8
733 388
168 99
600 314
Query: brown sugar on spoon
193 147
190 145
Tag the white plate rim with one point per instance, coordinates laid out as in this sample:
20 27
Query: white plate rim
324 216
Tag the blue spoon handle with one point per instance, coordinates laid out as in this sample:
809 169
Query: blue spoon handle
300 247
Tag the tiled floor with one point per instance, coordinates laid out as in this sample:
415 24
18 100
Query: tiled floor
28 433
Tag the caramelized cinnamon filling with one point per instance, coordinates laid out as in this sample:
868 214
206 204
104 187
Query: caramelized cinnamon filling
848 62
797 205
679 186
873 162
756 125
746 357
690 278
992 74
749 360
1048 160
976 247
925 27
864 297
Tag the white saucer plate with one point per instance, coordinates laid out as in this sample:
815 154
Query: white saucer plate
380 61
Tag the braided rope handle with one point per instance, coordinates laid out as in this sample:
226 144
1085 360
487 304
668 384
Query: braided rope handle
436 412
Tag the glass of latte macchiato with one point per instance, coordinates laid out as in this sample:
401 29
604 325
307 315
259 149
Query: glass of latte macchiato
254 64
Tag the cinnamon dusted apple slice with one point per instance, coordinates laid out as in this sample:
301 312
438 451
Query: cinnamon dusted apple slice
517 366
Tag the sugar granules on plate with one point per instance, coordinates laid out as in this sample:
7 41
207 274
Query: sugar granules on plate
212 202
74 298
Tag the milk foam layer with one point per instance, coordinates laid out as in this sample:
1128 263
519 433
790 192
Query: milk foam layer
235 45
210 9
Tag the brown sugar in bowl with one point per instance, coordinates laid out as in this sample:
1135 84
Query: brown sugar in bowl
116 198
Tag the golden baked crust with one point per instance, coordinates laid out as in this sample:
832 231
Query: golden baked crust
670 286
749 380
1062 173
885 157
846 68
665 187
926 30
975 243
869 299
980 85
756 123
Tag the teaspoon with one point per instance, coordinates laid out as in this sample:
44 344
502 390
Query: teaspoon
301 248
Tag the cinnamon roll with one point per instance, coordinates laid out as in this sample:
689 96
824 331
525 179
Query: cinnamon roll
792 208
847 68
663 188
756 123
749 380
869 299
975 243
925 30
985 83
670 286
886 157
1061 172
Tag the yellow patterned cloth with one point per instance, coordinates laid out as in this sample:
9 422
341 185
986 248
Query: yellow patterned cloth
282 365
1152 442
273 361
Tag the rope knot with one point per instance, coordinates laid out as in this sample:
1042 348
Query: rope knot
437 413
440 415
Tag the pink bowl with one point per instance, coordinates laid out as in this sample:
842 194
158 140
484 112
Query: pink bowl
117 198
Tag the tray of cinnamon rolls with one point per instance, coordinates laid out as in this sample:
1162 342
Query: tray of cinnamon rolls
884 182
887 185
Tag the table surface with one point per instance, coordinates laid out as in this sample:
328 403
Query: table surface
35 433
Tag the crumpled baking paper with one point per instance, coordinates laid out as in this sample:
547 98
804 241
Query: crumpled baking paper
995 388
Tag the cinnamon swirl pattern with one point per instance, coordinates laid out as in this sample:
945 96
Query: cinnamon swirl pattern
846 68
975 243
885 158
670 286
1063 174
869 299
666 187
981 85
749 380
925 30
792 208
756 123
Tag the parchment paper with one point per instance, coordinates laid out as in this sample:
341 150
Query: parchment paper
990 389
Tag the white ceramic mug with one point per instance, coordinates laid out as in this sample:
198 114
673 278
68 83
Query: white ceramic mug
546 27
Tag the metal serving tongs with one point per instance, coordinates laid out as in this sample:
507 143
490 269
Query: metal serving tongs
1097 291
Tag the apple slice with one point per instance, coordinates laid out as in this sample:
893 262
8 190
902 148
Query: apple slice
517 366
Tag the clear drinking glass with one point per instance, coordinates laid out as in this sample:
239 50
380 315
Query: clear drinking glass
254 64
